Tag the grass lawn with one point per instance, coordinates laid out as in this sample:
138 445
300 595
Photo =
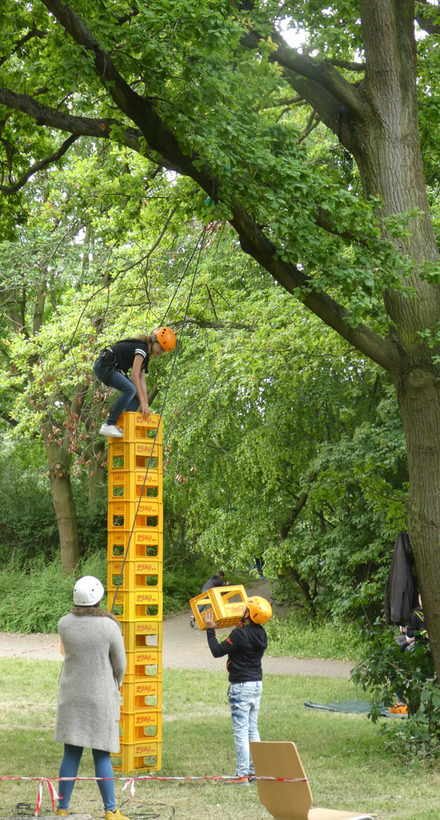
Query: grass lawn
343 754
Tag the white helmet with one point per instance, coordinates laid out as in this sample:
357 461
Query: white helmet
87 591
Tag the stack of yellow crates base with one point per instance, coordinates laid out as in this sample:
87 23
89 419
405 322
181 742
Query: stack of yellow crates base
134 576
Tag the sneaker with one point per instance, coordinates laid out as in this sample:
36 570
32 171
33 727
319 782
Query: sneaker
192 621
252 778
110 430
115 815
236 781
61 812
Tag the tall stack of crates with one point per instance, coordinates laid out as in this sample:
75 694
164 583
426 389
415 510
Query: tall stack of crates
134 584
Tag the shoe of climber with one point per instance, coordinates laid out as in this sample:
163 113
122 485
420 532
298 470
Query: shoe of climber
238 781
61 812
115 815
110 430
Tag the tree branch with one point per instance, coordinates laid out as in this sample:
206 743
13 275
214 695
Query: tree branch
215 325
427 21
39 166
139 109
78 126
319 79
35 32
254 242
318 83
293 515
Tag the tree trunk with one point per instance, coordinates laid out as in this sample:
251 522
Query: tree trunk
97 479
59 476
419 402
388 155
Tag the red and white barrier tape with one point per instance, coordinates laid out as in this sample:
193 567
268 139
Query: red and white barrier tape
130 782
29 651
53 795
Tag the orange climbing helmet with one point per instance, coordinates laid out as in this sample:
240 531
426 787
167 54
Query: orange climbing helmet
165 337
260 610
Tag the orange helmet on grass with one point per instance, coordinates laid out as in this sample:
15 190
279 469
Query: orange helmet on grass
165 337
260 610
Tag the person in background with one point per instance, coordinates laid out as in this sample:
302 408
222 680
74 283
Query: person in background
114 363
415 631
258 565
245 647
88 699
216 580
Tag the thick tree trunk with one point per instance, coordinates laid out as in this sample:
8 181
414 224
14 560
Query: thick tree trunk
59 476
387 150
419 400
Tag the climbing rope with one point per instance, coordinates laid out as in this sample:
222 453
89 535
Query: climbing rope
199 245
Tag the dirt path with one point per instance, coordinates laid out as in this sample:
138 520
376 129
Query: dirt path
183 648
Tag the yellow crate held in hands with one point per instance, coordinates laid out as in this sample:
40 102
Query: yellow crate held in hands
227 604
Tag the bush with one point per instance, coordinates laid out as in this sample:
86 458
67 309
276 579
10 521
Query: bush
35 595
33 598
292 635
390 674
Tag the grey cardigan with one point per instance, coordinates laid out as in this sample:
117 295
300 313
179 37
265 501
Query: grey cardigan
88 699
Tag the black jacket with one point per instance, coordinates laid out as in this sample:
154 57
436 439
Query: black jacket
245 648
214 581
401 590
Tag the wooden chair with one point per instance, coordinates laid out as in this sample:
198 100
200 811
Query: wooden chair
289 800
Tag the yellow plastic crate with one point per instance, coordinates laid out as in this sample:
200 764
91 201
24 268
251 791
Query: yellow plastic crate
137 428
138 757
141 543
138 695
227 604
145 514
141 455
141 694
135 575
137 726
143 663
130 485
141 634
137 606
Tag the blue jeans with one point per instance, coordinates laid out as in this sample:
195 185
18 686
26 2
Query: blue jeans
103 768
244 699
128 400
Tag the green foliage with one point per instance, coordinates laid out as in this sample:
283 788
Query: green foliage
266 411
389 675
34 593
28 528
290 635
34 597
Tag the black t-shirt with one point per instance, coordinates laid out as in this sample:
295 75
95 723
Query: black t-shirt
126 350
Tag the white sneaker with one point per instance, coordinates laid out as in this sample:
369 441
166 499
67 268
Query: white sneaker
111 430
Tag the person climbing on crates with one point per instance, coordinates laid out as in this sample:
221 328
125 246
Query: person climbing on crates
88 698
245 647
216 580
114 363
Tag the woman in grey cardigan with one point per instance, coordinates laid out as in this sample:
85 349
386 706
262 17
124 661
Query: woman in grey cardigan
88 699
